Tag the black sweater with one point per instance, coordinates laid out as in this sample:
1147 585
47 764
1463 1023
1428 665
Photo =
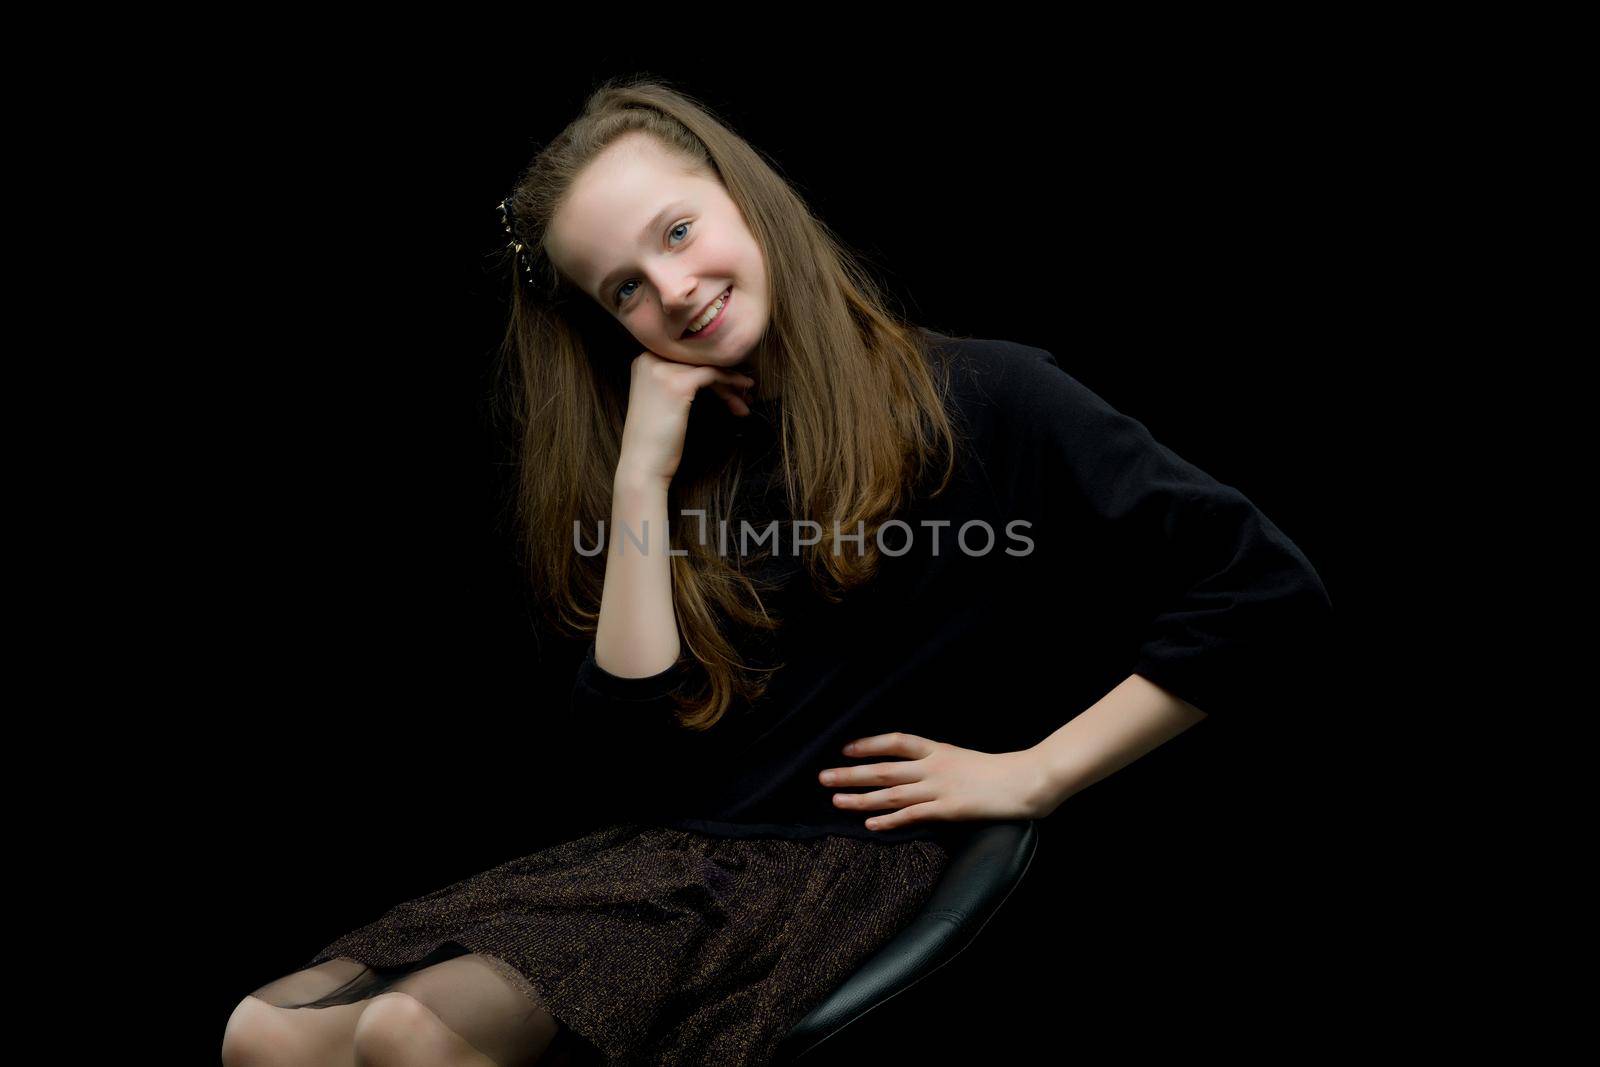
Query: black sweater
1140 562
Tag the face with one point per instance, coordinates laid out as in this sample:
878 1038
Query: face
655 246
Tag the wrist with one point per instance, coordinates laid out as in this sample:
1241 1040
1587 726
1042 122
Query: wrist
637 482
1058 772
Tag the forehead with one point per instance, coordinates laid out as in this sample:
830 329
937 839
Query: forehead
599 222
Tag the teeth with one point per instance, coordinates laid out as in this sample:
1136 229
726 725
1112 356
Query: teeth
711 312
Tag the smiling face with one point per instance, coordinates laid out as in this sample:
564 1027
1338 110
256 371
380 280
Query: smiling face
655 246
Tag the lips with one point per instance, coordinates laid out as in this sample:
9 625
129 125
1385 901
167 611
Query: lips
696 316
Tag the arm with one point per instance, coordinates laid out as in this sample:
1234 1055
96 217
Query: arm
624 706
637 636
1234 605
1233 609
1228 608
1131 720
632 666
935 780
637 633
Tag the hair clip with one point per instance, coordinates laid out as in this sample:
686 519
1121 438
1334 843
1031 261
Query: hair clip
515 245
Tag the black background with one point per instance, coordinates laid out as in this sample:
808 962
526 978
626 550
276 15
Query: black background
372 710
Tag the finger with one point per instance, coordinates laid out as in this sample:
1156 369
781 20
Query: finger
882 798
924 812
897 773
727 386
735 402
703 376
895 744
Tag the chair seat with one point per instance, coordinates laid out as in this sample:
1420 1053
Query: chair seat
986 864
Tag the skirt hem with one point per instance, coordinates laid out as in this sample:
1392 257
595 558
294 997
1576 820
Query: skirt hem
528 987
659 945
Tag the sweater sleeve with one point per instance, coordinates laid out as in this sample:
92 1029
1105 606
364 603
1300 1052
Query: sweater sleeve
609 701
1230 604
629 726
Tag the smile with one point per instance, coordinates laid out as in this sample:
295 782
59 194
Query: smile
711 327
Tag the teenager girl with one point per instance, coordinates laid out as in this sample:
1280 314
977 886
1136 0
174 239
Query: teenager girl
691 351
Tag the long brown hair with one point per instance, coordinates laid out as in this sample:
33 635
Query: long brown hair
863 421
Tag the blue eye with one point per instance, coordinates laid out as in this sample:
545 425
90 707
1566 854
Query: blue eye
617 296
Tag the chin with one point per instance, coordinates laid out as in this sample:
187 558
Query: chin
722 357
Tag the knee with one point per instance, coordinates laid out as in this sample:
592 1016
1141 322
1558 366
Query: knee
392 1029
258 1036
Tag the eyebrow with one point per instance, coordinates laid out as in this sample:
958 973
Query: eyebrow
603 286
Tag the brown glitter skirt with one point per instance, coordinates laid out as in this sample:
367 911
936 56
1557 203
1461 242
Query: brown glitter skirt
663 946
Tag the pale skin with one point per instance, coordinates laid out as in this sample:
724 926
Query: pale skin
637 635
934 781
929 781
397 1028
671 272
654 245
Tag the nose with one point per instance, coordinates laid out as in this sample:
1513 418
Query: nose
683 300
677 282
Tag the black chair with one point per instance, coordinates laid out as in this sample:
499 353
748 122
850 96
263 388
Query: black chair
986 864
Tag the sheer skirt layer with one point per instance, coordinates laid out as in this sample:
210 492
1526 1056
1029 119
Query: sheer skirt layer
660 945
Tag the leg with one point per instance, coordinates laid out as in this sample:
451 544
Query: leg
397 1030
461 1011
293 990
263 1031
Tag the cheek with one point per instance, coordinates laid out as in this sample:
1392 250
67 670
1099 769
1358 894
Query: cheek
733 250
757 265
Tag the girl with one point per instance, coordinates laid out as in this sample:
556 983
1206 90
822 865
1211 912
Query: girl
862 512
